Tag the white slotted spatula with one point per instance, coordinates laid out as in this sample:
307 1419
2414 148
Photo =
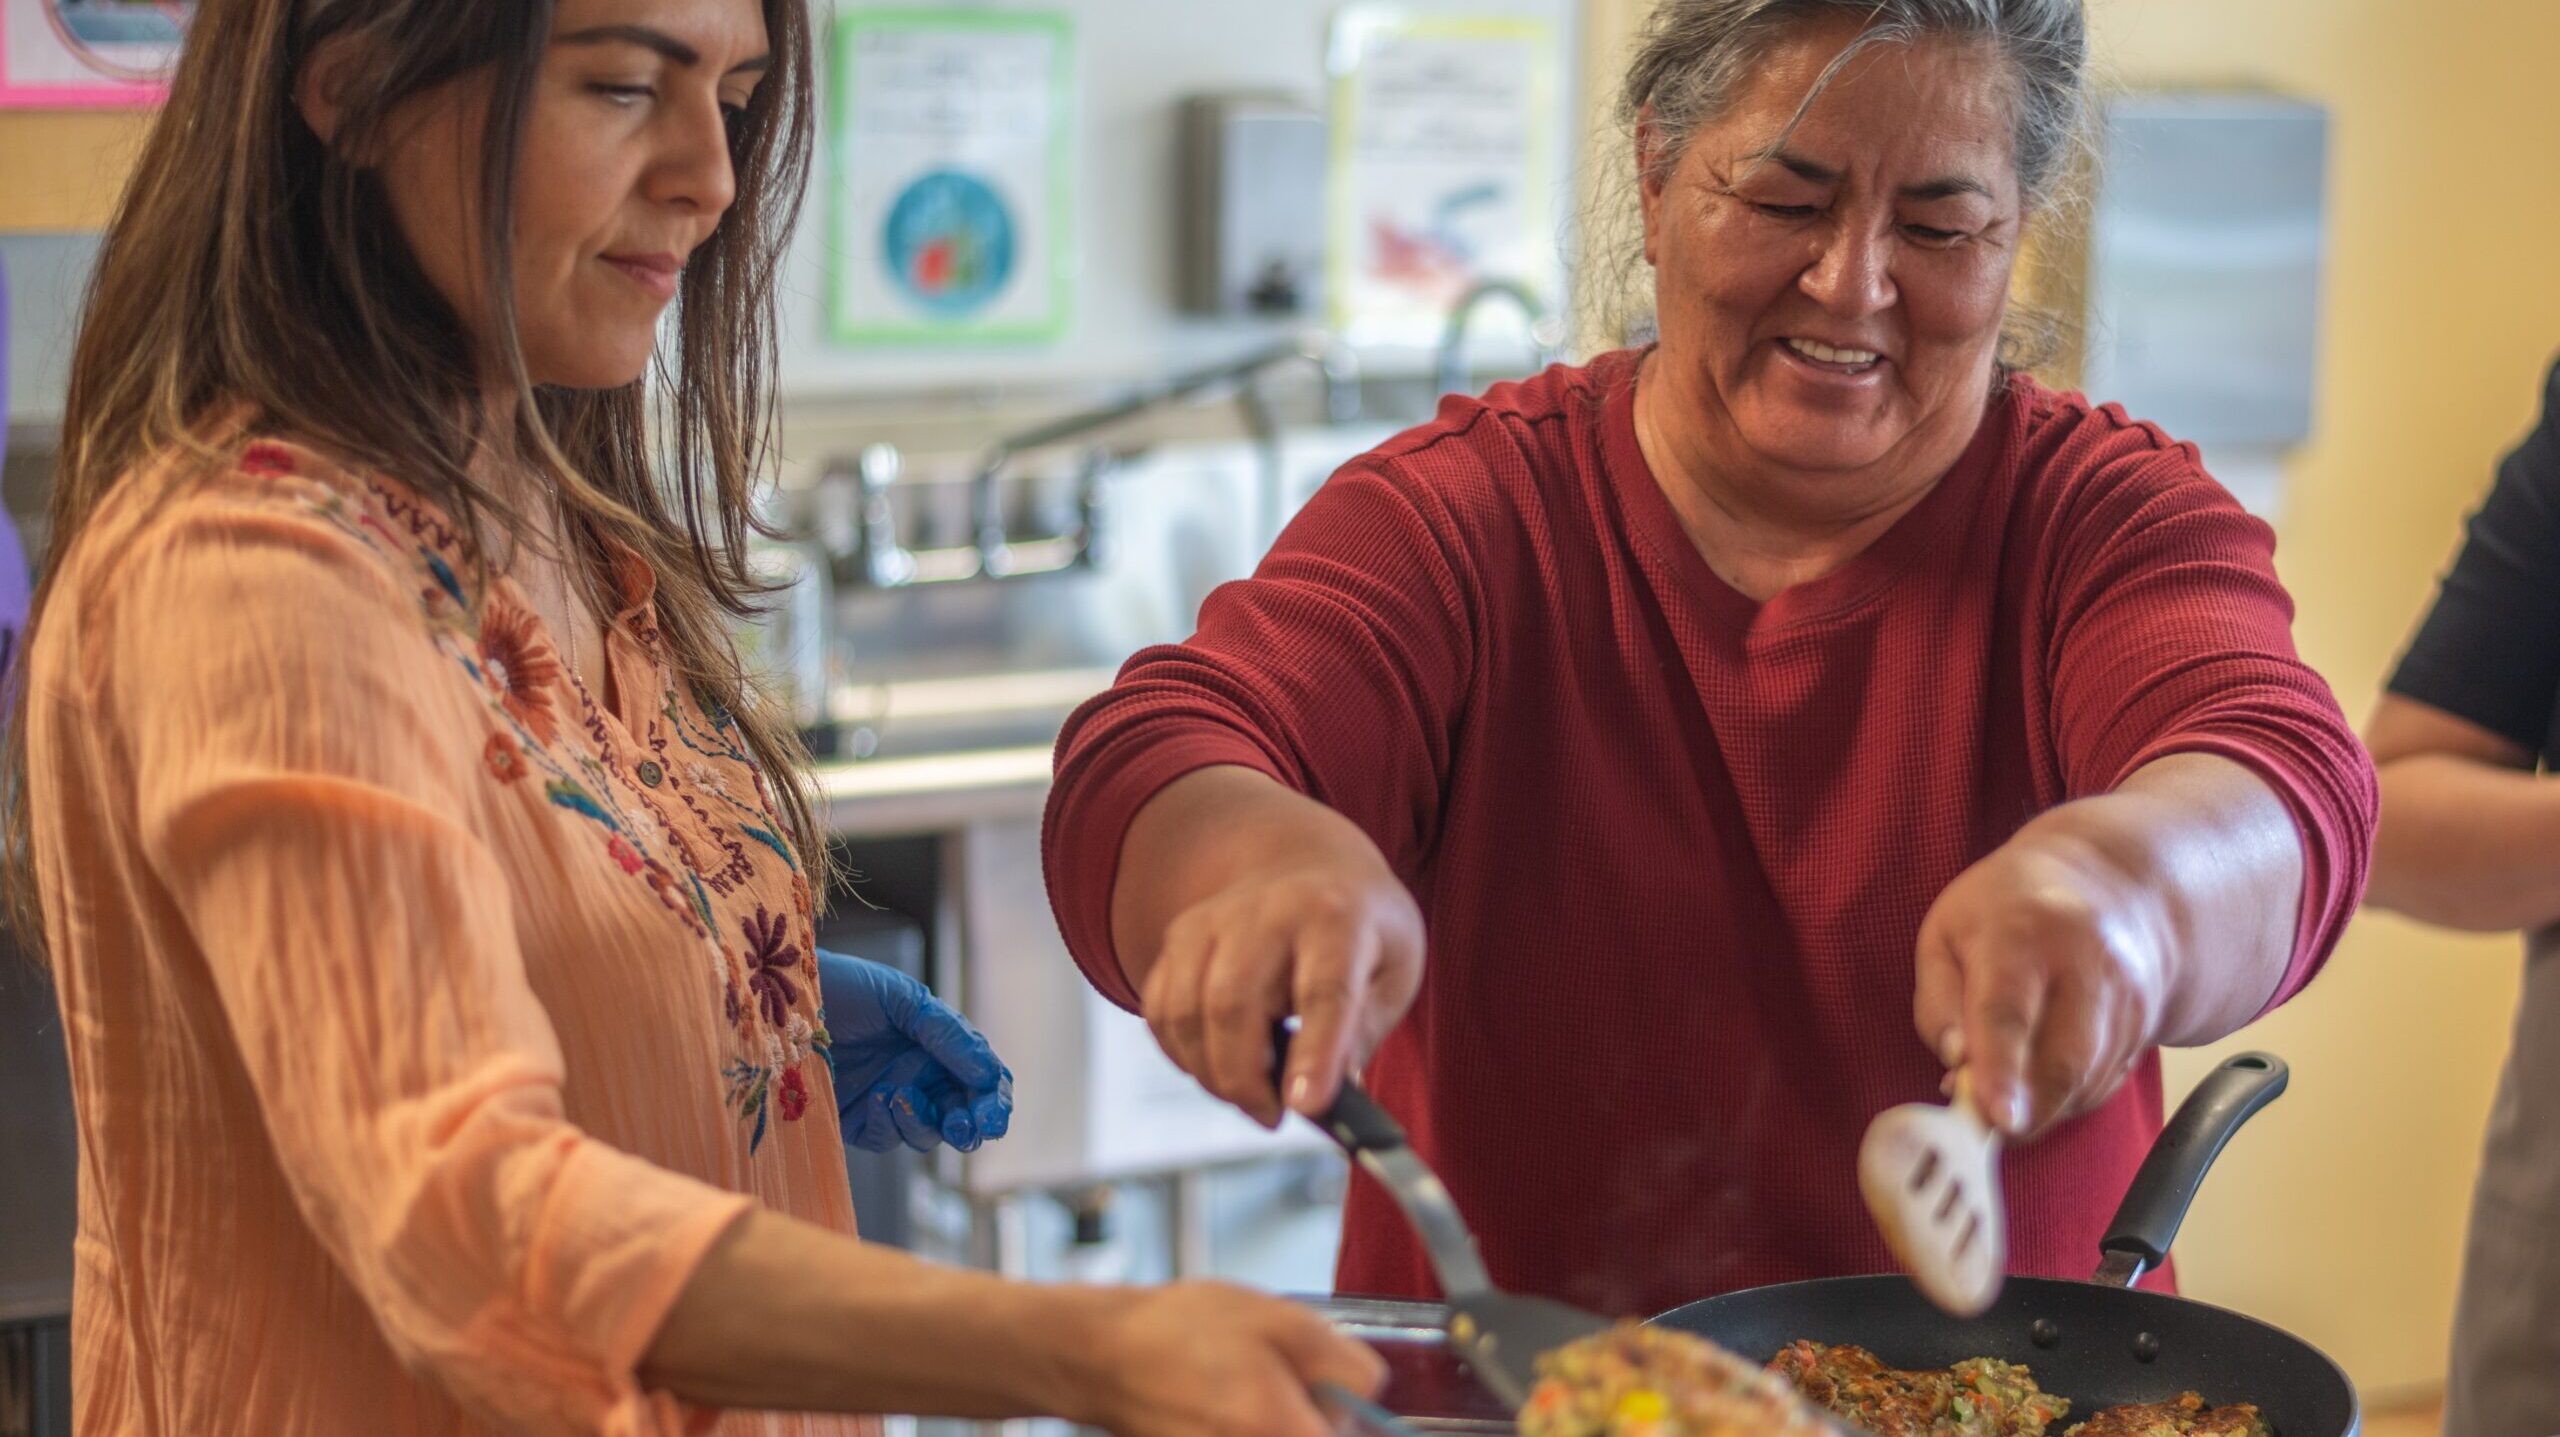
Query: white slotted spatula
1931 1177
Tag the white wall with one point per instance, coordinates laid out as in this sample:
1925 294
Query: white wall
1136 60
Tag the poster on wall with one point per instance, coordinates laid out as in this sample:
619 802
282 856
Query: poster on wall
949 149
1443 172
64 54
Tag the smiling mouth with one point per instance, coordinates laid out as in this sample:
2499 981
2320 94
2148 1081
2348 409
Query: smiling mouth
1836 360
655 273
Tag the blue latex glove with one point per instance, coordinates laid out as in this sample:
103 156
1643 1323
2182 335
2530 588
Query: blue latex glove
908 1069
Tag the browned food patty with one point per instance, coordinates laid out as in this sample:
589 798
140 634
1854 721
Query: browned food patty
1978 1397
2188 1416
1642 1381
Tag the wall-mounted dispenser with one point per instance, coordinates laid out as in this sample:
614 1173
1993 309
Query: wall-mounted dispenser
1251 206
2204 257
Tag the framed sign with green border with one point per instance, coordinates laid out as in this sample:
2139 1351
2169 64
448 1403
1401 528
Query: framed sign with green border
1443 172
950 176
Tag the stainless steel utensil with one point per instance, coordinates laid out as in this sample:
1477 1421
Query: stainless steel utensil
1499 1334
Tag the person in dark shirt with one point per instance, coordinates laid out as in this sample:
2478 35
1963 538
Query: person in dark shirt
2470 838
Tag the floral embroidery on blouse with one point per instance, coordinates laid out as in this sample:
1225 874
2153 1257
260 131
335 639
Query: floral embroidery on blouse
623 854
770 961
520 664
266 460
794 1098
505 757
766 987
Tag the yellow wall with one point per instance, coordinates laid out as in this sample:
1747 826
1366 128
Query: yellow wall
2343 1218
61 170
2339 1215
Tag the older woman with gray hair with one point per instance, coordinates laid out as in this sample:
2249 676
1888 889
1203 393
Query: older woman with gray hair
1648 772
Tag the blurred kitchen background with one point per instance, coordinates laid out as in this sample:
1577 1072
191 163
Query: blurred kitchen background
1089 294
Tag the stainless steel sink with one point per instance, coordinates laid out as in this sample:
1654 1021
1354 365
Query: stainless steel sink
947 698
941 668
909 718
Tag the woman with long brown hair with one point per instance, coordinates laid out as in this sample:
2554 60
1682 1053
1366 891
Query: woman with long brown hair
427 892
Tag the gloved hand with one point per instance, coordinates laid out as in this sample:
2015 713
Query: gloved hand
908 1069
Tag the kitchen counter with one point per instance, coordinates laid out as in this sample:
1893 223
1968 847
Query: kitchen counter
933 793
940 754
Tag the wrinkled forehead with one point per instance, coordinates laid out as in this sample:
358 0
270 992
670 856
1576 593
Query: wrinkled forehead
1843 99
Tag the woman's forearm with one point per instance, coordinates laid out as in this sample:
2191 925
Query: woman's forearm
1206 831
2467 844
783 1314
2222 860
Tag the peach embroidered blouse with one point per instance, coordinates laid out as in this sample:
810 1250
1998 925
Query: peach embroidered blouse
428 1017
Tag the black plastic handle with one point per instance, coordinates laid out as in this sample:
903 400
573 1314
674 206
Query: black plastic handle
1376 1143
1355 1121
2146 1222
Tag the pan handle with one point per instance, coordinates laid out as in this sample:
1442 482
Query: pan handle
2146 1222
1376 1141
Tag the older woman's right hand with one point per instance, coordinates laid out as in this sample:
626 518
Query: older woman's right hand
1203 1359
1336 940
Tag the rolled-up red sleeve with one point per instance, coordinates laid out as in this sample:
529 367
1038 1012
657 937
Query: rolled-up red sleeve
2169 633
1338 669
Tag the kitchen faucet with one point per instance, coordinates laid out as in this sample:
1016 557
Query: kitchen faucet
1544 332
1339 364
876 558
870 555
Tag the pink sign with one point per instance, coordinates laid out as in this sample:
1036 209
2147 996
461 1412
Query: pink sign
65 54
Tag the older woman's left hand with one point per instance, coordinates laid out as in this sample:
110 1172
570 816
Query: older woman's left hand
909 1069
2163 912
2043 969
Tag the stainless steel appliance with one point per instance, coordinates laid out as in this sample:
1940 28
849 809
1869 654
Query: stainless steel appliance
38 1198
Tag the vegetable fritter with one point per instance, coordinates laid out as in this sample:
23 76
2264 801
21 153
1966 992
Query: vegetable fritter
1640 1381
1978 1397
2188 1416
1984 1397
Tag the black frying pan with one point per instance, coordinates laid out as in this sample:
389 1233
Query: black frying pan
2100 1343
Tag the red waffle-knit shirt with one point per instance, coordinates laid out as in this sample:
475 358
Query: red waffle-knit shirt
1672 846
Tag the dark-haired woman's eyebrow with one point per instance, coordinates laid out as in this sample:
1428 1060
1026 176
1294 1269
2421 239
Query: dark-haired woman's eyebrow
650 38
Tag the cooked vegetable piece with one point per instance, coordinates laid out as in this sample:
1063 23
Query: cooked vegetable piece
1978 1397
1641 1381
2188 1416
1983 1397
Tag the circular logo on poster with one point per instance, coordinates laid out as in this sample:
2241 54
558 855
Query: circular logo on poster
128 40
948 242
